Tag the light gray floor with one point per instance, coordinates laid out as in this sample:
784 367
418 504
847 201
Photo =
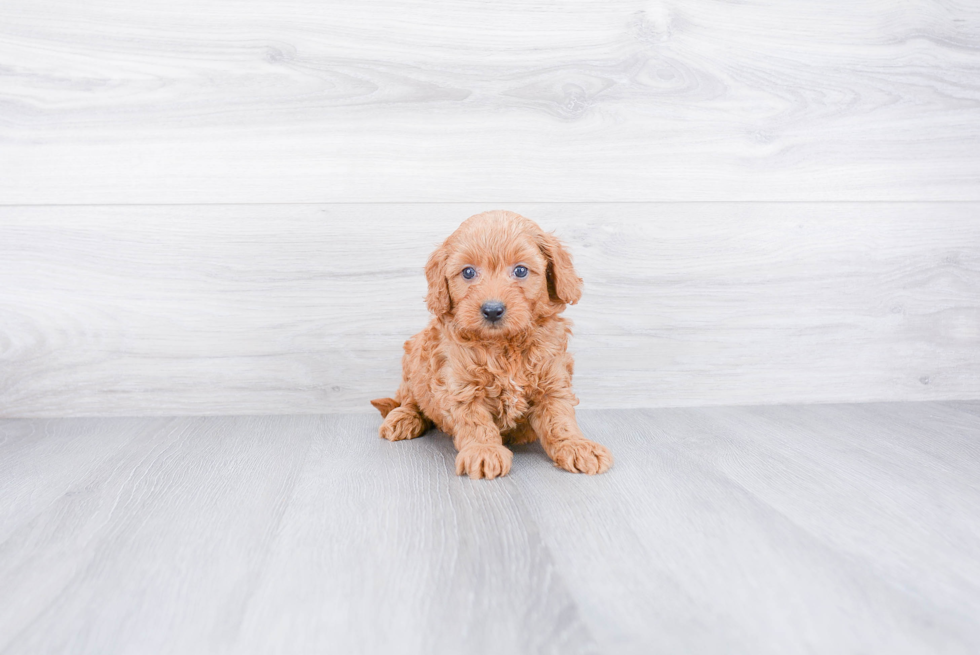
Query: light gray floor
783 529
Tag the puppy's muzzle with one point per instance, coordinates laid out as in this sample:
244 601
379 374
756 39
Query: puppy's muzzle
492 310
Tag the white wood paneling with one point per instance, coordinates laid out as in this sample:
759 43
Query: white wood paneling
783 530
303 308
191 101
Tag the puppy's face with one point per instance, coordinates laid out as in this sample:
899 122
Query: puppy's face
499 273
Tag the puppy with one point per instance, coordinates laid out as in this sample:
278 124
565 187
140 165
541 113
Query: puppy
492 368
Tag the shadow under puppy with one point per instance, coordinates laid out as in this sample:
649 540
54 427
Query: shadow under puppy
492 367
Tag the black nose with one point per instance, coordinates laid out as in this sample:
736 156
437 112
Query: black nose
492 310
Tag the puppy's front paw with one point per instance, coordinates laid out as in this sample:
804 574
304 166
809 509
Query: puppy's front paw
582 456
402 423
483 461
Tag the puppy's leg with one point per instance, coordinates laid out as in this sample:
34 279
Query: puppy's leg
482 453
404 422
554 421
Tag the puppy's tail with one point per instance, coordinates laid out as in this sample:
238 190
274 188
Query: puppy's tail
385 405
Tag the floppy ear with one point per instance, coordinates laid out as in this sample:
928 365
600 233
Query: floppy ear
438 299
564 286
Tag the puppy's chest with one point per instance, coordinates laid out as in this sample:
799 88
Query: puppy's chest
509 385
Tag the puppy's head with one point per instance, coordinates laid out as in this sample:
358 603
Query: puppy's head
498 274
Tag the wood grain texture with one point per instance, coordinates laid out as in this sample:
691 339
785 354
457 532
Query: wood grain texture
303 309
623 100
968 407
843 505
819 529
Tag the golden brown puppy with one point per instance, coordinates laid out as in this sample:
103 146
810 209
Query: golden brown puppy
492 368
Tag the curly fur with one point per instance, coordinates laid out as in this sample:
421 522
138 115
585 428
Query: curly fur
489 384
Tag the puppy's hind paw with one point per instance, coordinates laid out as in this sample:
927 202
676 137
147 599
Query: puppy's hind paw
385 405
484 461
582 456
403 423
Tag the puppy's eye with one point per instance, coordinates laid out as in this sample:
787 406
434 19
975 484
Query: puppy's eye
520 271
469 273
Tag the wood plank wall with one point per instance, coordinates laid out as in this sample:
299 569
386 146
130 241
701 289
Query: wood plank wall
303 308
224 207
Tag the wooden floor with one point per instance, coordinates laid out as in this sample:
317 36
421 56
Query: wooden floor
781 529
